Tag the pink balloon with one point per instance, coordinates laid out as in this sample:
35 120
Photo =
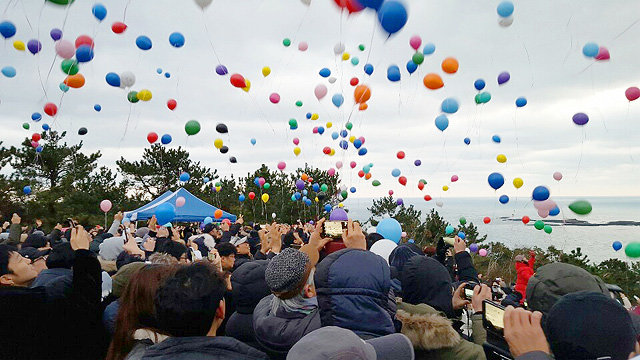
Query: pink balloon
557 176
353 164
320 91
339 164
543 213
303 46
415 42
282 165
547 205
296 141
274 98
482 252
65 49
390 192
180 201
361 138
632 93
261 181
315 130
603 54
105 205
454 178
404 234
34 144
332 171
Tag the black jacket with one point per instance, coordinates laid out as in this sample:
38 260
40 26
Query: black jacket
241 259
202 347
34 326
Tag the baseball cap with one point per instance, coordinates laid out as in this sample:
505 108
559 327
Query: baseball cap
33 253
236 240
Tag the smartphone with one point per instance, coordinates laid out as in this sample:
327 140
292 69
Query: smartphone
71 222
467 293
212 255
333 229
493 317
449 240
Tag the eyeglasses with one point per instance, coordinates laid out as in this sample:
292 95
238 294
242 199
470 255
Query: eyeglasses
33 261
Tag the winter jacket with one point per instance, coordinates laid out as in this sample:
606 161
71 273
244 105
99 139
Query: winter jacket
434 337
241 259
109 317
353 288
534 355
14 235
466 271
111 248
55 238
57 282
233 231
33 326
144 339
525 272
202 347
277 332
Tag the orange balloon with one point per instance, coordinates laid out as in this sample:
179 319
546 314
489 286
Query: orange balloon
75 81
450 65
433 81
304 177
362 94
217 214
364 106
367 176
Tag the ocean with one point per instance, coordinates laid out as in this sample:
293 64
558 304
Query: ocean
594 241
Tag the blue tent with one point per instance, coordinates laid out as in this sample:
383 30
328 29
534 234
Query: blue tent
194 209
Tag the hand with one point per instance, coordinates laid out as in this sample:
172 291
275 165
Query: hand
152 223
316 239
15 219
459 245
227 280
353 237
217 261
457 301
79 238
480 293
150 244
118 216
58 227
38 222
240 220
224 226
523 332
175 235
162 232
264 241
131 247
6 224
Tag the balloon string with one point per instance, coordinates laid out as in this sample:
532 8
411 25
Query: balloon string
38 54
581 152
206 29
126 7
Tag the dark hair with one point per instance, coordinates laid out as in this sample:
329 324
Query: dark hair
124 258
137 307
5 254
36 240
61 256
288 240
174 249
186 304
226 249
372 238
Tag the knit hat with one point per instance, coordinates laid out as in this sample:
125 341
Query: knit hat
588 325
289 269
122 277
519 258
426 281
141 232
33 253
208 228
62 256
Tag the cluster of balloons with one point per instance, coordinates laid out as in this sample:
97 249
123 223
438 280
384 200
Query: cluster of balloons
592 50
392 14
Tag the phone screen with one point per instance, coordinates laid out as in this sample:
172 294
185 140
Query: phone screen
494 315
333 229
468 293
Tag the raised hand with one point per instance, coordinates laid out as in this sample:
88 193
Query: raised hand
457 301
80 239
316 239
353 237
523 332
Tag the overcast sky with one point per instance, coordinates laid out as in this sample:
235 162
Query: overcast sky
541 50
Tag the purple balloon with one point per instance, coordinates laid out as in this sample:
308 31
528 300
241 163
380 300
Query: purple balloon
300 184
221 70
34 46
473 248
503 77
399 202
580 119
417 163
338 215
56 34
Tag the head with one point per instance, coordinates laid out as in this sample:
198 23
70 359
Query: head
15 269
177 250
162 259
249 285
191 303
372 238
124 258
122 278
227 254
426 281
400 255
242 245
290 273
520 258
61 257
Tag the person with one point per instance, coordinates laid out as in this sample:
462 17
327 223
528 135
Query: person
243 251
119 282
15 229
354 288
177 250
332 342
524 271
229 230
136 325
270 242
189 308
36 327
227 252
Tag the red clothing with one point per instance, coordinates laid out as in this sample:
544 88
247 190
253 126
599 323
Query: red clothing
524 272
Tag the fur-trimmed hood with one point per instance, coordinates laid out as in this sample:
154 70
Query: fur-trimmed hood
427 328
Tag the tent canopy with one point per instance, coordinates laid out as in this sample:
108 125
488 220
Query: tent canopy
194 209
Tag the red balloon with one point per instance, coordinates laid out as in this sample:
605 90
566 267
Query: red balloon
326 150
354 81
35 137
171 104
118 27
252 195
525 219
238 81
152 137
402 180
632 93
400 155
486 219
309 179
351 5
84 40
50 109
420 185
427 198
361 173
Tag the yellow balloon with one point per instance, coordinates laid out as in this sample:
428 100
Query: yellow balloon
445 188
329 124
333 152
501 158
246 81
296 151
218 188
341 205
517 182
314 117
144 95
19 45
352 139
266 71
345 56
265 198
218 143
317 200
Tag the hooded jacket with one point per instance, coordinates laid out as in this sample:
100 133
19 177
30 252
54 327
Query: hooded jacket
426 281
353 288
111 248
524 272
202 347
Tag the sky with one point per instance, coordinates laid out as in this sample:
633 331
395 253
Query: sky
542 50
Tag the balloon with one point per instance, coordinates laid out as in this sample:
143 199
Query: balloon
462 235
633 250
50 109
548 229
581 207
99 11
36 116
517 183
402 180
521 101
539 225
105 205
392 15
144 95
176 39
449 230
74 81
557 176
496 139
324 72
503 77
433 81
632 93
143 42
224 150
84 53
132 96
286 42
415 42
165 212
84 40
395 172
368 69
442 122
7 29
118 27
26 190
540 193
69 66
19 45
265 198
362 151
580 119
483 97
617 245
362 94
221 70
34 46
501 158
467 141
417 58
393 73
238 81
113 79
82 131
411 66
555 211
496 180
9 71
503 199
293 124
450 65
505 9
482 252
390 229
165 139
152 137
603 54
192 127
127 79
337 100
65 49
274 98
479 84
590 49
303 46
185 177
449 106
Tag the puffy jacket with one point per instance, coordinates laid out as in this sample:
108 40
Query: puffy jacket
202 347
353 288
525 272
58 282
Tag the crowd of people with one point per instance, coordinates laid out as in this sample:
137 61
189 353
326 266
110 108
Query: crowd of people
278 291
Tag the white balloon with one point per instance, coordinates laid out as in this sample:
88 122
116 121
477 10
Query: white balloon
273 215
439 203
505 22
332 80
127 79
383 248
338 48
204 3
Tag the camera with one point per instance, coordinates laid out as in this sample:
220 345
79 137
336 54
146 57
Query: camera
333 229
467 292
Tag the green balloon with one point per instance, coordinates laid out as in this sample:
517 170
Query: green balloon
355 61
63 87
548 229
293 123
485 97
344 194
423 181
418 58
478 99
361 47
70 66
192 127
324 187
218 184
62 2
348 125
286 42
539 225
26 126
633 250
132 96
298 103
581 207
463 220
375 183
266 186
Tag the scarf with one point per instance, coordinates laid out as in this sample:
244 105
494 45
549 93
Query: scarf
296 304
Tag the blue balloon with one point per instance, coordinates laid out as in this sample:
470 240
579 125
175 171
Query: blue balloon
308 115
496 139
26 190
184 177
7 29
368 69
555 211
113 79
479 84
411 66
167 75
392 15
442 122
39 149
390 229
241 198
293 198
297 195
84 53
505 9
208 220
393 73
253 141
324 72
617 245
165 139
9 71
337 100
305 192
429 48
449 106
462 235
36 117
449 230
540 193
308 202
395 172
320 130
417 162
256 181
97 107
353 190
366 169
327 208
315 187
357 143
143 42
467 141
45 127
521 101
159 70
344 144
176 39
503 199
362 151
205 180
99 11
334 135
590 49
496 180
372 4
344 133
